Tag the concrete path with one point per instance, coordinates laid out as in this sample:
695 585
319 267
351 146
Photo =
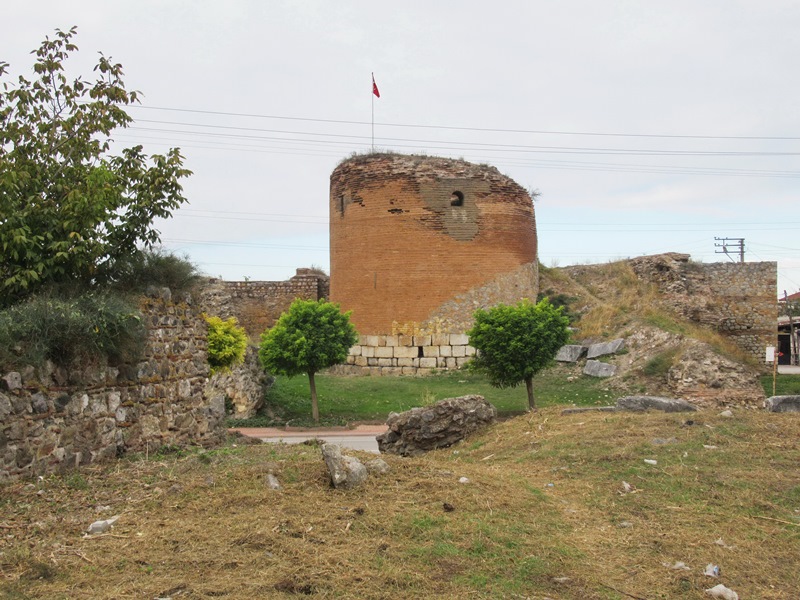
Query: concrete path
789 369
361 437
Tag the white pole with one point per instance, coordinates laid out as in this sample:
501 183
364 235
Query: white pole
372 96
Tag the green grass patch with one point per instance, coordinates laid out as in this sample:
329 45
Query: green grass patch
786 385
346 399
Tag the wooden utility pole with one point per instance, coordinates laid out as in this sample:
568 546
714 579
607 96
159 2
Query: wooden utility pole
726 245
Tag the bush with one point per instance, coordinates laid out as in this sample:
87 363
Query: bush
88 328
155 267
227 343
661 363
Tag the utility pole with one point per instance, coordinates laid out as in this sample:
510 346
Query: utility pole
728 244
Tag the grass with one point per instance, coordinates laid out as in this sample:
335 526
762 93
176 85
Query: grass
346 399
544 515
785 385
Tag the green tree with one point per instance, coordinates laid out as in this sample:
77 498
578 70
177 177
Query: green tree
516 342
310 336
69 208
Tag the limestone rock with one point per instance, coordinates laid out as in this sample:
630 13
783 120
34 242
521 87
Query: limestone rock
377 466
426 428
783 404
605 348
272 482
642 403
345 471
570 353
12 381
595 368
243 385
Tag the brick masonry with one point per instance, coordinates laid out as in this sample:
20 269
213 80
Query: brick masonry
418 243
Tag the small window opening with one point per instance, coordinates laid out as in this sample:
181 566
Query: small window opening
457 199
420 353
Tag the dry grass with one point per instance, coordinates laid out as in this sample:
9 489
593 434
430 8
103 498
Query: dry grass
205 524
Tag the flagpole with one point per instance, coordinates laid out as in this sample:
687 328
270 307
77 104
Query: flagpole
372 97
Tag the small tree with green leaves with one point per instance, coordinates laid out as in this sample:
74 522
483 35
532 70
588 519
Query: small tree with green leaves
310 336
515 342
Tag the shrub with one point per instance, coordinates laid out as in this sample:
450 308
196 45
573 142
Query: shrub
227 343
155 267
661 363
87 328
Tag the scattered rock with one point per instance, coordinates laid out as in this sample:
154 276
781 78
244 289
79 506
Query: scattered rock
102 526
625 524
345 471
596 368
726 413
272 482
447 507
604 348
642 403
678 566
12 381
712 570
664 441
783 404
561 579
437 426
377 466
722 592
651 461
570 353
463 480
721 542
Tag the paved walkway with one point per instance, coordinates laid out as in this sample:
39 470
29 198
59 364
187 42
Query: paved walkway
361 437
789 369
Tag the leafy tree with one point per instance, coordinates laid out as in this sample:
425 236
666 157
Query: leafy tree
516 342
310 336
69 209
227 343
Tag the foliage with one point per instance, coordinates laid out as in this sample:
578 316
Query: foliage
559 300
661 363
155 267
91 327
310 336
70 209
227 343
516 342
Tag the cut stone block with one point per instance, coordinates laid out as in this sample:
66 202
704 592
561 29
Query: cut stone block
570 353
406 352
405 362
445 351
642 403
430 351
440 339
605 348
360 361
391 340
372 362
595 368
370 340
368 351
469 350
386 362
384 352
451 363
405 340
459 339
422 340
427 363
783 404
354 351
459 351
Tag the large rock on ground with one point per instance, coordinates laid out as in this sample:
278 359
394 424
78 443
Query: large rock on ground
642 403
345 471
596 368
604 348
570 353
783 404
437 426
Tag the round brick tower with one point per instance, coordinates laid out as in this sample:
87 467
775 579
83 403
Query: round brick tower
418 243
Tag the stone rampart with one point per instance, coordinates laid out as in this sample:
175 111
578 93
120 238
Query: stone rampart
54 420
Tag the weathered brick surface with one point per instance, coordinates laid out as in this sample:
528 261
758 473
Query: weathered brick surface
407 261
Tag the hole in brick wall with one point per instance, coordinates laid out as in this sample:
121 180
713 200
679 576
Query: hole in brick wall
457 199
341 204
395 211
420 353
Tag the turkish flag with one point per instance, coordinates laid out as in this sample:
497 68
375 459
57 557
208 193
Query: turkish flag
375 87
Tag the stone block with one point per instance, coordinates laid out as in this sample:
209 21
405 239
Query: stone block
570 353
391 340
424 372
469 351
462 362
409 370
372 362
430 351
406 352
422 340
451 363
605 348
371 340
595 368
385 362
783 404
391 371
440 339
405 340
384 352
441 363
405 362
354 351
368 351
459 339
350 360
642 403
445 351
360 361
427 363
459 351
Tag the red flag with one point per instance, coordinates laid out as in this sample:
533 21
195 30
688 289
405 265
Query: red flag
375 87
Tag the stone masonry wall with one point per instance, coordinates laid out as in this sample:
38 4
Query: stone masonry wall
258 304
54 420
407 354
738 300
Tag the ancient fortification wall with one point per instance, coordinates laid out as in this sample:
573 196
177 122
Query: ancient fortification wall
737 299
418 243
55 420
258 304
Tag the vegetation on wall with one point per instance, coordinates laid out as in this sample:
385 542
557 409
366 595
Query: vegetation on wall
227 343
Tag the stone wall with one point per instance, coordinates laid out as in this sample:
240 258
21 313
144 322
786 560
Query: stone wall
738 300
418 243
55 420
407 354
258 304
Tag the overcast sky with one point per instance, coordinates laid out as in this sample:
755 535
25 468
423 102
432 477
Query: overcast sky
647 126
